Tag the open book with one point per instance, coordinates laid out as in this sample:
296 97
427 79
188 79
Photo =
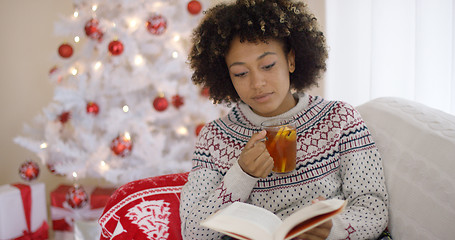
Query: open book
245 221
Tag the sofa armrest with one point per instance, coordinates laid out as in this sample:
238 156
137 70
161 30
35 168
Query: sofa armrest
417 145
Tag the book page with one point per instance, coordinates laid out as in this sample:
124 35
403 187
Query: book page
245 220
309 217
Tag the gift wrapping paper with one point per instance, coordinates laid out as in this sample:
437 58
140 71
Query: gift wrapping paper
23 211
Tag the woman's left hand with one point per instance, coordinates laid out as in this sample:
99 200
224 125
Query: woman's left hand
318 233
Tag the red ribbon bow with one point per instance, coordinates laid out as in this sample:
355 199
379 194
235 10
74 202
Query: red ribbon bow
41 233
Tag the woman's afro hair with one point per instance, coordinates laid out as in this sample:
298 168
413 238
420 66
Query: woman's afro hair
254 21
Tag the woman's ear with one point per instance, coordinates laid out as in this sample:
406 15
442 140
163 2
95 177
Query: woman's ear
291 61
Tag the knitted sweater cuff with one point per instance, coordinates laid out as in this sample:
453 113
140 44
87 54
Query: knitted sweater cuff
239 182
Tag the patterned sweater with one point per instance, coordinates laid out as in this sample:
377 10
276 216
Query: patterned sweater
336 158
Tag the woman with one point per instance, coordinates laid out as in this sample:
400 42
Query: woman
262 55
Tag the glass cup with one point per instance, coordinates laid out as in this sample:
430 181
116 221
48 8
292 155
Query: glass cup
281 143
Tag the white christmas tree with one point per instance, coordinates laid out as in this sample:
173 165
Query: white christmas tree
124 106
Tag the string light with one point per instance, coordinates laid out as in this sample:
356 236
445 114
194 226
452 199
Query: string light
183 131
76 39
127 136
94 7
138 60
74 175
104 166
133 23
43 145
175 54
74 71
76 14
176 38
126 108
97 65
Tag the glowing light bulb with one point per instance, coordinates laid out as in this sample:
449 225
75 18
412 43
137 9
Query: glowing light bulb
182 131
74 71
94 7
43 145
133 23
74 174
97 65
126 108
103 165
175 54
176 38
127 136
138 60
76 39
76 14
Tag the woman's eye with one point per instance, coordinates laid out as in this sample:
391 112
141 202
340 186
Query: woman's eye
242 74
267 67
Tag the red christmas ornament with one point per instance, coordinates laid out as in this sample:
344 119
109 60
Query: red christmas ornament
177 101
92 31
76 197
205 92
199 128
115 47
93 108
160 104
194 7
65 50
64 117
29 170
122 145
156 24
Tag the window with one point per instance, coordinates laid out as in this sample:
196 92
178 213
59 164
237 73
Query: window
381 48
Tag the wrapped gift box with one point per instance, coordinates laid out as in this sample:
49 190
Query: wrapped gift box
63 216
23 211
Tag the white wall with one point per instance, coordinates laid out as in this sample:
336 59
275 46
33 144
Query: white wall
26 46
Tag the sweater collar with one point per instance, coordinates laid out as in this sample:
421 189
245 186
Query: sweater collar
255 119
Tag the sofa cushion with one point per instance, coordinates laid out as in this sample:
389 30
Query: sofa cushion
417 145
145 209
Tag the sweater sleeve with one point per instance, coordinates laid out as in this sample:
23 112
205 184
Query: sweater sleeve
207 191
363 185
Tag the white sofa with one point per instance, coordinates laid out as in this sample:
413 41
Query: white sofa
417 145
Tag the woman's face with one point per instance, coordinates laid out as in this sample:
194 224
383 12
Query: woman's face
260 75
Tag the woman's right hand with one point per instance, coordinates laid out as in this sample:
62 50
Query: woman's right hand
255 160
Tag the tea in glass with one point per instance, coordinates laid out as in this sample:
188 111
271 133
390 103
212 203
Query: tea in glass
281 143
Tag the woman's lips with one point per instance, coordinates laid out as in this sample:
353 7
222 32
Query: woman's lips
262 97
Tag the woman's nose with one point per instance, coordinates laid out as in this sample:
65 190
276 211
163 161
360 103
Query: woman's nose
257 80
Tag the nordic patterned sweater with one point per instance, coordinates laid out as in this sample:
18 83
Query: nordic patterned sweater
336 158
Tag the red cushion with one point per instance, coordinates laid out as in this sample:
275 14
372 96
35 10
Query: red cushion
145 209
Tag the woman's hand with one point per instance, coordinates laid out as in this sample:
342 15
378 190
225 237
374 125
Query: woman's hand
320 232
255 160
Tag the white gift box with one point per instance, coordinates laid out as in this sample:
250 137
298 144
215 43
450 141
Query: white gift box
12 216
